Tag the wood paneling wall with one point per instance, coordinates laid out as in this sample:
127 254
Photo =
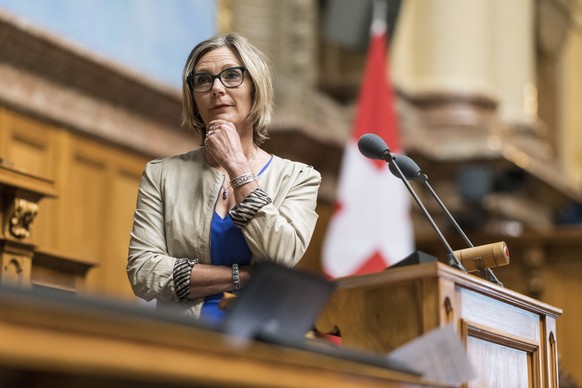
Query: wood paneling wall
97 188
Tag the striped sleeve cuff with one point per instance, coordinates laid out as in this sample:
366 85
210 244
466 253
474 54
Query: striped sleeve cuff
182 273
245 211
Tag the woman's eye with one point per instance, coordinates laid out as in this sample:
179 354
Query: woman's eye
232 74
203 79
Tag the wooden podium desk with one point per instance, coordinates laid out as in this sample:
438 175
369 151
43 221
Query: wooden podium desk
75 342
510 338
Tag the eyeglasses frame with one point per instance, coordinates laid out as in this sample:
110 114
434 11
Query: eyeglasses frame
190 79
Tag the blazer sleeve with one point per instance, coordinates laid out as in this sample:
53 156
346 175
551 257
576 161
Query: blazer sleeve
149 267
281 231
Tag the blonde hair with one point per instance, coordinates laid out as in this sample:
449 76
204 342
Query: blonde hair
259 73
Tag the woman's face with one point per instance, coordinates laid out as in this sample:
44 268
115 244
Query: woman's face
220 102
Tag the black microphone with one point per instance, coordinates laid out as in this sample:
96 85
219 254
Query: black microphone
373 146
411 171
408 167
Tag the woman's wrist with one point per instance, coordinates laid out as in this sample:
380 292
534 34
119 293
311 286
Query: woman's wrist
242 180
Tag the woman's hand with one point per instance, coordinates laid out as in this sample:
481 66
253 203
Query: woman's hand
223 145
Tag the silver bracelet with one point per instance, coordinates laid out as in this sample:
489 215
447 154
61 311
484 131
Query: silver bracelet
242 180
235 278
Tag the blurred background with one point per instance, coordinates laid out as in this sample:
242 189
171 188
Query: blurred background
488 95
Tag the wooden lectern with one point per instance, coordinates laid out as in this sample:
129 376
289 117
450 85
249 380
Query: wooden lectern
510 338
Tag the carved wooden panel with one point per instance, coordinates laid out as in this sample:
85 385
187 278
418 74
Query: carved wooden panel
123 185
509 366
28 143
91 219
562 287
99 197
494 330
55 270
86 205
31 145
15 269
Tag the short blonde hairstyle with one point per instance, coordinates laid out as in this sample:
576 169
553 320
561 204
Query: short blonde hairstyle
259 73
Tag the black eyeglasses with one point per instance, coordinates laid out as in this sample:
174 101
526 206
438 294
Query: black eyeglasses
230 78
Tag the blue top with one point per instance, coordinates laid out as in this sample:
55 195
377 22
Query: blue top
227 246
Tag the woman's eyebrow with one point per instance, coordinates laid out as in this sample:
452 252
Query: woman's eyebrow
204 69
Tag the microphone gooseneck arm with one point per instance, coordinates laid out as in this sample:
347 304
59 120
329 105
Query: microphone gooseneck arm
486 273
449 215
374 147
413 172
452 259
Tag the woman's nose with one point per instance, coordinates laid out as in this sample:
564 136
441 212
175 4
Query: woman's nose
217 85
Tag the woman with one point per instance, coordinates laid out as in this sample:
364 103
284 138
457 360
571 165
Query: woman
205 217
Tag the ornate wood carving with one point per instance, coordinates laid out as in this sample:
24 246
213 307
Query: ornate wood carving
21 217
20 193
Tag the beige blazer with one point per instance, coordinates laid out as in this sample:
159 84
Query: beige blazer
175 206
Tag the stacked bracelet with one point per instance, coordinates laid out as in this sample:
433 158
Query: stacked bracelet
235 278
242 180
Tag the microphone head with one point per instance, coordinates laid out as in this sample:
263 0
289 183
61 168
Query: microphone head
373 146
408 167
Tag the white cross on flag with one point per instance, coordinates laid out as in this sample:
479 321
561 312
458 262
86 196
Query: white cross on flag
371 226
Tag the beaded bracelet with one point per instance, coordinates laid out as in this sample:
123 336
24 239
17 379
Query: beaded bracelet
242 180
235 278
